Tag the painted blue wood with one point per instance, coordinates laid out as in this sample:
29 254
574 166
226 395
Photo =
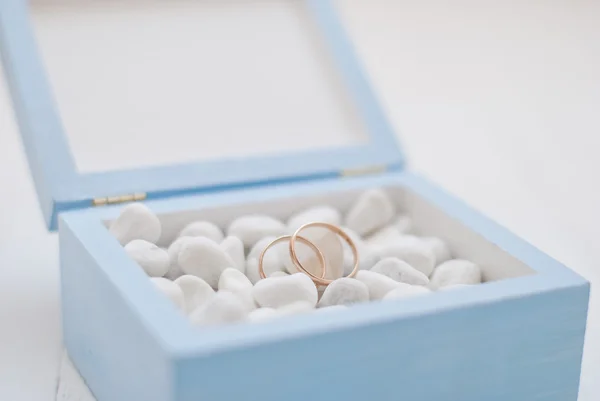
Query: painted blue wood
517 349
112 325
515 339
61 187
50 161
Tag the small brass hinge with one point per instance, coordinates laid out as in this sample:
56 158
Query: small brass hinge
351 172
110 200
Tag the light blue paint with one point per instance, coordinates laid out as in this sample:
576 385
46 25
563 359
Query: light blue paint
61 187
515 339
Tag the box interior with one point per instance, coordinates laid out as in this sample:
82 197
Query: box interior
429 220
151 83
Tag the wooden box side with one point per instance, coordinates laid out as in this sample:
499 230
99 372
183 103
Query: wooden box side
116 353
521 348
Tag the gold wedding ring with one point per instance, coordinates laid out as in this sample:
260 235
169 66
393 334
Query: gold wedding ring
312 246
338 231
318 280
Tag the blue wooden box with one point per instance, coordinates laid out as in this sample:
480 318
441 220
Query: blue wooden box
517 337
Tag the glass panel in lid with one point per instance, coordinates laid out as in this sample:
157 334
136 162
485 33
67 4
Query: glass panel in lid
142 84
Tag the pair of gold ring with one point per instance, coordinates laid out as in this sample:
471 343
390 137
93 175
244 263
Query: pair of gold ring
318 280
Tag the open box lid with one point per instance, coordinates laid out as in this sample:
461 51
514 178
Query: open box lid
284 71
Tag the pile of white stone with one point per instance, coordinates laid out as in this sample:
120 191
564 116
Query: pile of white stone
212 275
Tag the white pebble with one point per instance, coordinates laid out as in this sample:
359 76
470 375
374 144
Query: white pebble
403 224
373 210
324 214
344 291
262 314
406 292
234 281
171 290
401 271
250 229
271 262
366 257
275 292
378 284
224 307
278 274
295 308
204 258
234 247
439 248
136 221
455 271
196 292
384 235
357 239
271 266
417 254
203 229
173 251
401 239
260 245
154 260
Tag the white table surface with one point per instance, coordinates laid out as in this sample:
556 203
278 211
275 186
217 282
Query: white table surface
497 101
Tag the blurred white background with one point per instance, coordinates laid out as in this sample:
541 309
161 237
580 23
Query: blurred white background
497 101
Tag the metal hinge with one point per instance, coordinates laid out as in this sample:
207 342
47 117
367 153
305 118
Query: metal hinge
110 200
351 172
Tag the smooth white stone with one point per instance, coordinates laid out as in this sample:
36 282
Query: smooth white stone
323 214
154 260
401 271
439 248
234 281
251 229
271 261
366 257
373 210
414 252
173 251
275 292
271 265
260 245
262 314
400 240
403 224
384 235
378 284
234 247
204 258
354 236
295 308
344 291
456 271
136 221
171 290
406 292
203 229
196 292
223 307
366 260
